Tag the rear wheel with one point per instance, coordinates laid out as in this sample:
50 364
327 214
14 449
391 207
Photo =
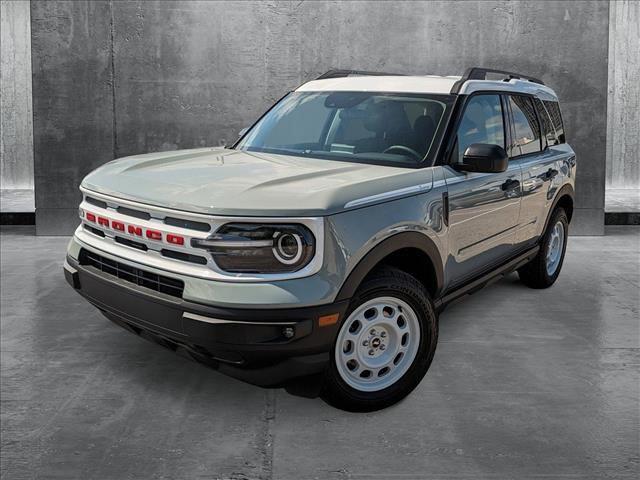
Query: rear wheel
543 270
384 346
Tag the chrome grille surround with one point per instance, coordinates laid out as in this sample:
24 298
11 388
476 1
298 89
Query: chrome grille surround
153 256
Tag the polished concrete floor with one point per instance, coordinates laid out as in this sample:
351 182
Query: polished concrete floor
525 384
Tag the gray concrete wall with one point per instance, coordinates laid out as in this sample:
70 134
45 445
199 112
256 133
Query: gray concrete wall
16 137
72 103
187 74
623 133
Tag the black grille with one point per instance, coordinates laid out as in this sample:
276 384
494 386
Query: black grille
134 275
185 257
96 202
131 243
134 213
190 224
95 231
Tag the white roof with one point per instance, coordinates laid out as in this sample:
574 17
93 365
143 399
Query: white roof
396 84
423 84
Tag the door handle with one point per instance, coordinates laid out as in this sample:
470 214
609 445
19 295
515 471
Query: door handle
510 184
550 174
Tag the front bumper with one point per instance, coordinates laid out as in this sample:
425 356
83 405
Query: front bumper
265 347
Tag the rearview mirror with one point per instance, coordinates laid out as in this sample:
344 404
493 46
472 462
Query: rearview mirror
483 158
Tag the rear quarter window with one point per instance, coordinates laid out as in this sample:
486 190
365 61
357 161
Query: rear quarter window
556 118
548 130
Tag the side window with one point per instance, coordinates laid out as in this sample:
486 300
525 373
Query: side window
481 123
526 135
554 112
548 131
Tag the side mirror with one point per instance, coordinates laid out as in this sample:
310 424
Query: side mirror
483 158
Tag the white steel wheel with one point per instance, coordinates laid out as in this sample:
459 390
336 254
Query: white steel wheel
555 248
377 344
543 270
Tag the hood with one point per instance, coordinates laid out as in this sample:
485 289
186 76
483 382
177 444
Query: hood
220 181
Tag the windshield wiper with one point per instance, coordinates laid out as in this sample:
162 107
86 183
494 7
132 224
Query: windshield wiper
286 151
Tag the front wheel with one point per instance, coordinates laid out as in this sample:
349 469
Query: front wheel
543 270
384 346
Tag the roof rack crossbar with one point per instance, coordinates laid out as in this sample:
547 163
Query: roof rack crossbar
480 73
346 73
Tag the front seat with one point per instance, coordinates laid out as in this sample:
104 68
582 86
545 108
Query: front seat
388 121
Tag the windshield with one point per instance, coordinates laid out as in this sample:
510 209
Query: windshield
367 127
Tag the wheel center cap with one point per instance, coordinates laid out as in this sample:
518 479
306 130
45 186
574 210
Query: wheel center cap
375 343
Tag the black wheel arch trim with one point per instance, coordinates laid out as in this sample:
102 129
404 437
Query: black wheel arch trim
565 190
395 243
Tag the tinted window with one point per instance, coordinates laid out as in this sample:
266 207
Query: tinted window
526 134
548 131
481 123
305 124
386 128
554 112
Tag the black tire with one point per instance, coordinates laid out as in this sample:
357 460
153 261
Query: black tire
387 282
534 274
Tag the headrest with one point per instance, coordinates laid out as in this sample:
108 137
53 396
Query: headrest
424 123
386 116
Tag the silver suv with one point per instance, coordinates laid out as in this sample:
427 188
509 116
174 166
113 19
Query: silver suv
325 241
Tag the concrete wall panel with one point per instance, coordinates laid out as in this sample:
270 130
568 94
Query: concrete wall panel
623 152
73 105
16 139
193 73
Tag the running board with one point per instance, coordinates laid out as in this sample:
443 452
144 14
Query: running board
486 279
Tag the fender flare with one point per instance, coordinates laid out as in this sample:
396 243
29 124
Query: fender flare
385 248
565 190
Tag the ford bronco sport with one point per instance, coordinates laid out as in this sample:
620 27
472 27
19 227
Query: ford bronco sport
326 240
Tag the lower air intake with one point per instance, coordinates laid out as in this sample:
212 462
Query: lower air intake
142 278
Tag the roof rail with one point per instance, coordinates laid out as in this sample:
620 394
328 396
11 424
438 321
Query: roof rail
480 73
346 73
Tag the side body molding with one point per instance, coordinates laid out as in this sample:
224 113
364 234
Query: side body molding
387 247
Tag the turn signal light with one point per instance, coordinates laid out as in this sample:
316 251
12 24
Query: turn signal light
154 235
328 320
91 217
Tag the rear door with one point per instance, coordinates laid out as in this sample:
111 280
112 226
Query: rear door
534 138
484 208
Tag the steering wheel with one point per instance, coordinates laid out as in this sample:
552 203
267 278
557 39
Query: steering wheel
404 149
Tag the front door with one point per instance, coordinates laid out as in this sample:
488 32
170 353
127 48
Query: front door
484 208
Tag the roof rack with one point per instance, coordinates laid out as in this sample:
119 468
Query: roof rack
480 73
347 73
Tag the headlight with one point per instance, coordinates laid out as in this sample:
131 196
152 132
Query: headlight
260 248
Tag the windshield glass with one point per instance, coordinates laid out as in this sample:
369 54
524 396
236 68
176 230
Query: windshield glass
367 127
